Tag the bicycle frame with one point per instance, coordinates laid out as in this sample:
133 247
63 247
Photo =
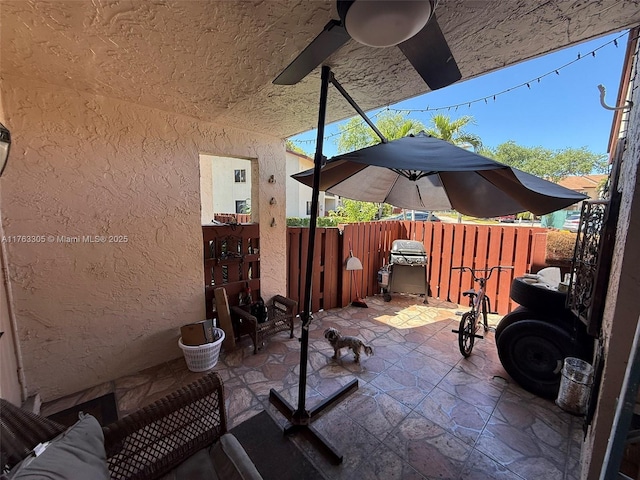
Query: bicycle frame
480 304
477 301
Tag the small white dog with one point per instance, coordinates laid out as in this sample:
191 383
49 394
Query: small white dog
337 341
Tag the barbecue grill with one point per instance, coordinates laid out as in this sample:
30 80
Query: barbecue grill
406 271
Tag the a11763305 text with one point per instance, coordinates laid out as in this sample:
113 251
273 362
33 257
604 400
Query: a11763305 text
66 239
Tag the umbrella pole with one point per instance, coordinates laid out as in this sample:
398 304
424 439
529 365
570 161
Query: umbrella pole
301 418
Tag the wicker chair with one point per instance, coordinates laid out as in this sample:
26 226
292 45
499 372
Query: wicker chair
144 445
281 312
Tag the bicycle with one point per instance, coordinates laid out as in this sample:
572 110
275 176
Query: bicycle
480 304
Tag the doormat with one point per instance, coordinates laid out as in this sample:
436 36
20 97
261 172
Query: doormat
103 408
274 455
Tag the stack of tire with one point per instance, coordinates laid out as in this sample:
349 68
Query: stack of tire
535 338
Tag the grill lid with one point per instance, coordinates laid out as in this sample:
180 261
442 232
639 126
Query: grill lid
408 247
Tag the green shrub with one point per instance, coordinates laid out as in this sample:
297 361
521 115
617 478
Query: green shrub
304 222
297 222
327 222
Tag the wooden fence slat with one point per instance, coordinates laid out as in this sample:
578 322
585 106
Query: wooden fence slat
330 284
435 261
538 252
482 246
362 275
456 261
426 242
374 260
304 251
468 259
347 239
503 280
419 231
369 280
495 244
295 281
358 276
522 252
316 285
359 248
446 259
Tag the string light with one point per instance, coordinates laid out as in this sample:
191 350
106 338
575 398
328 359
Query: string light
477 100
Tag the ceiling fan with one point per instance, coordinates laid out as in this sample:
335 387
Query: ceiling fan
409 24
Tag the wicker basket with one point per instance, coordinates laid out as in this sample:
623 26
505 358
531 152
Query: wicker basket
204 357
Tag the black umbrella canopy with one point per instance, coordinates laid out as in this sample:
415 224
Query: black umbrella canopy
425 173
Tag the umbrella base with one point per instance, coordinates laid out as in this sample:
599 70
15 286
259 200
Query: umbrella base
301 421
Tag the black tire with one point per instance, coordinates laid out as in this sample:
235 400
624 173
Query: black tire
386 295
466 334
565 319
519 313
533 352
537 299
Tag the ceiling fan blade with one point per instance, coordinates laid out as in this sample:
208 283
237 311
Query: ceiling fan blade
430 55
330 39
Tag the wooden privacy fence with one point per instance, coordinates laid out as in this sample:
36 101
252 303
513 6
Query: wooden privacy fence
327 271
447 245
232 217
232 261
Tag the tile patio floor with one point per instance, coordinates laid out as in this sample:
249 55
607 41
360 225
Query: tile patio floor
422 411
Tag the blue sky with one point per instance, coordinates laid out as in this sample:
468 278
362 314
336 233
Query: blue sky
559 111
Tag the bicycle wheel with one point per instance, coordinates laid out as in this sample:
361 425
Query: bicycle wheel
466 334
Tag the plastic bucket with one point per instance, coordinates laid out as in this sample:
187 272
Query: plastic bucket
203 357
575 386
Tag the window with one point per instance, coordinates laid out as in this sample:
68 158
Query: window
308 208
240 176
241 205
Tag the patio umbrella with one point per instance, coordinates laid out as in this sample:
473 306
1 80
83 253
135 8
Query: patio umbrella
425 173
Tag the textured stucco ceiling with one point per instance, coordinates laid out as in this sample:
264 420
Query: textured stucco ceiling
215 60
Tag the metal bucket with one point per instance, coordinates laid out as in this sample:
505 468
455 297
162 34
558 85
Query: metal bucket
575 386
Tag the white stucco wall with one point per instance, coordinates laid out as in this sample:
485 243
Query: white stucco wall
225 190
299 194
86 165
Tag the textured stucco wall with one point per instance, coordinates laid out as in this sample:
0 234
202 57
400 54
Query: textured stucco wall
85 165
622 307
206 190
10 388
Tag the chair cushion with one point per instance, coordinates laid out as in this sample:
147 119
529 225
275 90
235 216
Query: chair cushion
76 453
230 460
225 460
197 466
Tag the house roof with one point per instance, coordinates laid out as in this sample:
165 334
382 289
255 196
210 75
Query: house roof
301 155
582 182
215 60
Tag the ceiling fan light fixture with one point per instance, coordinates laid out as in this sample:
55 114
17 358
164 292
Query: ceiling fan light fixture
383 23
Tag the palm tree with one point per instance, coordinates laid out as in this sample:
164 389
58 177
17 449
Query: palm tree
452 130
355 134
